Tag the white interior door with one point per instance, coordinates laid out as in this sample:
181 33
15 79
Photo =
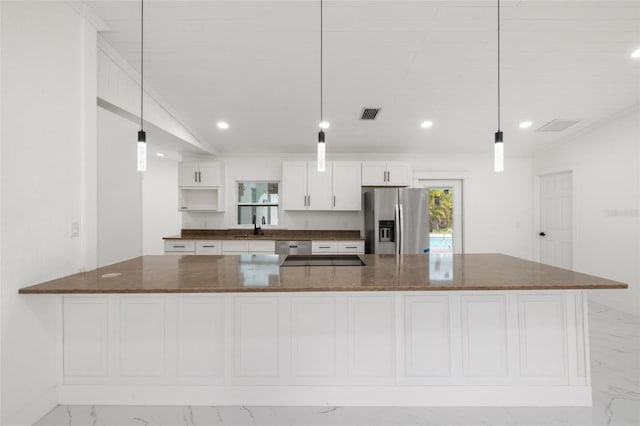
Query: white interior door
556 220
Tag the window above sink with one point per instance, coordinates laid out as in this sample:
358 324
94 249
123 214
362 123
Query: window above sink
259 199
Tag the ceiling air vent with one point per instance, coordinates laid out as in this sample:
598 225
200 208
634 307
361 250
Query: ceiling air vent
557 125
369 113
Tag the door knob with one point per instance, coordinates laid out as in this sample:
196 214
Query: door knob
542 234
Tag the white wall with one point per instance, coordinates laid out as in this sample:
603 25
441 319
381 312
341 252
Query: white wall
44 87
497 206
605 161
119 190
161 217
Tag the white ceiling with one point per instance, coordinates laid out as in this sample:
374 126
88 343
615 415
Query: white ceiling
256 64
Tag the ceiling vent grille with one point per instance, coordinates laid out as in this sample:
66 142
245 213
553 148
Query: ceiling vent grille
369 113
557 125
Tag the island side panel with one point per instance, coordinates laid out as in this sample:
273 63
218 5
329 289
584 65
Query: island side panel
477 348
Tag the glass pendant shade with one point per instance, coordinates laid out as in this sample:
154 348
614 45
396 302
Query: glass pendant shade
142 151
321 152
498 153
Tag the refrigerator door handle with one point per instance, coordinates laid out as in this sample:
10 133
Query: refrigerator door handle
401 228
399 232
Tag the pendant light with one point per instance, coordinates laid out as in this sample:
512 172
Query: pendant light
323 125
498 147
142 136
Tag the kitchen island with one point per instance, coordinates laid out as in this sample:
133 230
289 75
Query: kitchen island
411 330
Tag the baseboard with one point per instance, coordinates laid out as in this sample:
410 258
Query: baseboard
34 410
408 396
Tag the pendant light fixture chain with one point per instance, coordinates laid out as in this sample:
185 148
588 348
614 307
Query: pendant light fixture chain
498 147
142 136
498 65
321 139
141 62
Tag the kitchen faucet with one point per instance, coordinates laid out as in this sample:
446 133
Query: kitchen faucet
256 228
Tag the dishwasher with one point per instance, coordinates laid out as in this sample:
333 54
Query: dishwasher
293 247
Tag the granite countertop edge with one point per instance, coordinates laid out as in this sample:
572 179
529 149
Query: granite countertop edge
381 273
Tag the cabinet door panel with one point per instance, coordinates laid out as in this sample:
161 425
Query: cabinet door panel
373 173
542 336
347 190
484 336
188 174
319 187
209 247
209 174
398 173
294 185
370 337
256 337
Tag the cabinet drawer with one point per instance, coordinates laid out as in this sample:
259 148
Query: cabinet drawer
209 247
262 246
320 247
236 246
351 247
179 246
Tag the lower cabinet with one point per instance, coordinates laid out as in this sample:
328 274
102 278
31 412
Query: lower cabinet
209 247
498 342
179 247
237 247
234 247
337 247
193 247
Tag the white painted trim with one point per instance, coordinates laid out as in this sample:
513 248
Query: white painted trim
120 62
88 14
406 396
440 175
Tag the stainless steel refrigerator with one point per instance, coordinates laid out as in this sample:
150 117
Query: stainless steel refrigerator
396 220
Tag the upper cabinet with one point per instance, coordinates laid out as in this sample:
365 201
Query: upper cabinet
347 192
305 188
201 174
201 186
386 173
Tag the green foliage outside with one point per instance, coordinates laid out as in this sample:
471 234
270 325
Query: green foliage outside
441 210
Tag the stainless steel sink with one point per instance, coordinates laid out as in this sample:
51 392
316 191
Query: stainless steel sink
322 260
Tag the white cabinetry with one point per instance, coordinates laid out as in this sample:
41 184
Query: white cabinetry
201 186
192 247
304 188
350 247
201 174
234 247
417 348
209 247
347 192
337 188
386 173
179 247
337 247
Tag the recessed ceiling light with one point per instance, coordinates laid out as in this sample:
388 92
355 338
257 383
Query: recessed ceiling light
325 125
525 124
159 154
636 54
426 124
222 125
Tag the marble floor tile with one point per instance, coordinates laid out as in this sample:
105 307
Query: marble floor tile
615 369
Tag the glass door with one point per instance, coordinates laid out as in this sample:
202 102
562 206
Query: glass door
445 216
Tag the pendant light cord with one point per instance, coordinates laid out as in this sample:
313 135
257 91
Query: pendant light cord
321 63
498 65
141 62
